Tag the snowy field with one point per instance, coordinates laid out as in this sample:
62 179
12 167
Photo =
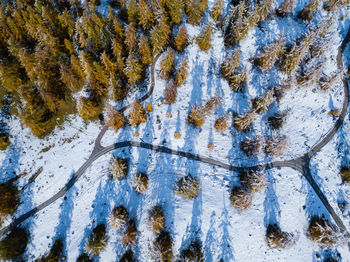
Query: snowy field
225 233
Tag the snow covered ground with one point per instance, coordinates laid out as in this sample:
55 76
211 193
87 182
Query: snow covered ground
225 233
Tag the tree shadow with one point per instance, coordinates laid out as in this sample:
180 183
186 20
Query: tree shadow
271 206
210 240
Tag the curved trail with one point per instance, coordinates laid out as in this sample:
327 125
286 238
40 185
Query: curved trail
301 164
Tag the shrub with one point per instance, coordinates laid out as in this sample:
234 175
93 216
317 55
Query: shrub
270 54
254 180
204 38
140 183
217 9
261 104
170 93
322 232
119 169
309 10
84 258
9 199
163 247
181 39
276 145
130 235
88 107
187 187
286 7
276 238
230 64
277 120
14 244
137 114
118 218
4 141
345 174
193 252
156 219
167 64
97 240
128 256
241 198
55 254
115 119
182 73
334 112
244 121
221 124
251 147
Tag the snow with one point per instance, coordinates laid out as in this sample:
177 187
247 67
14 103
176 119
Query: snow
224 232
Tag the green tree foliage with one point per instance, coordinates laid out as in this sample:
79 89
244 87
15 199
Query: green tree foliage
55 254
204 38
9 199
14 244
97 240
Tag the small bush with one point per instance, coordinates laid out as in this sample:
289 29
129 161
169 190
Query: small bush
137 114
163 247
4 141
204 39
253 180
322 232
170 93
130 235
244 121
118 218
55 254
276 238
308 12
181 39
115 119
97 240
221 124
286 7
9 199
262 103
277 120
334 112
156 219
140 183
119 169
276 146
14 244
84 258
167 64
251 147
271 53
187 187
128 256
241 198
345 174
193 252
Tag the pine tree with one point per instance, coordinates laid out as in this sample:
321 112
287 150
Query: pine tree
217 9
242 122
130 37
175 8
238 25
194 10
97 240
137 114
167 64
204 39
146 15
14 244
255 181
163 247
251 147
276 145
145 51
193 252
9 199
118 217
221 124
160 35
130 235
140 183
181 39
323 232
133 12
196 116
309 10
276 238
230 64
88 107
115 119
261 104
170 93
241 198
156 219
270 54
236 80
182 73
55 254
133 70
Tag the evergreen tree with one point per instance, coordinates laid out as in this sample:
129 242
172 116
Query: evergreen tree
145 51
182 73
97 240
133 12
156 219
9 199
163 247
204 39
194 10
286 7
160 35
88 107
181 39
14 244
130 37
242 122
309 10
146 15
217 9
167 64
130 235
170 93
137 114
175 8
133 70
271 53
230 64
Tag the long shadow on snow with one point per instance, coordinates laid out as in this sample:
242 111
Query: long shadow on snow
10 164
271 205
210 244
